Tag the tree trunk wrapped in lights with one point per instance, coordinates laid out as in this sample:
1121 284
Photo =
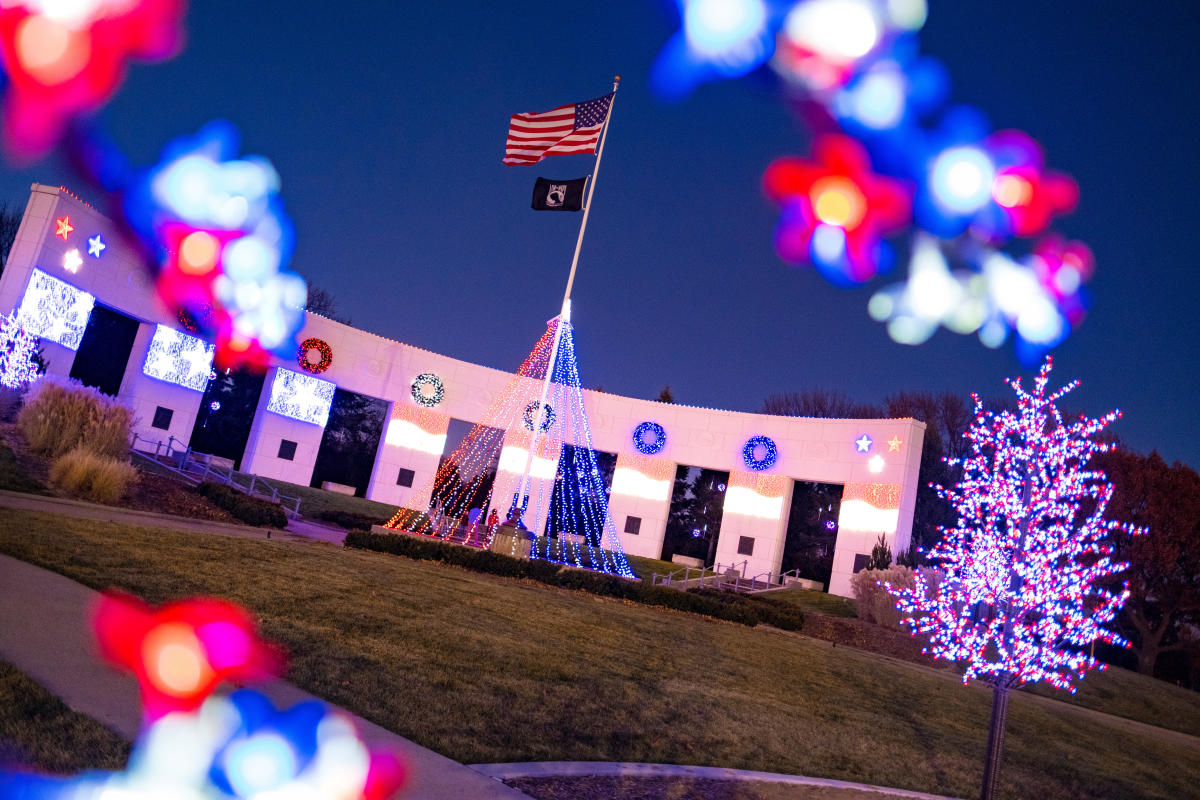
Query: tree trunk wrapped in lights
1027 562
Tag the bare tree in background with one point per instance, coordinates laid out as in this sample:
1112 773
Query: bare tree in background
10 220
827 403
324 303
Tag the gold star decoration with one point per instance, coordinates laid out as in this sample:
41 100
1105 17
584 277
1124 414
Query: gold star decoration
894 444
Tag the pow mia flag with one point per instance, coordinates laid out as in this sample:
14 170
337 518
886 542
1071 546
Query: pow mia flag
555 195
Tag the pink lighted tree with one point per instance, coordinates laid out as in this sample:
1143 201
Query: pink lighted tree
1024 568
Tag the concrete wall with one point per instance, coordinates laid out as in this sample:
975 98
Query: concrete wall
880 480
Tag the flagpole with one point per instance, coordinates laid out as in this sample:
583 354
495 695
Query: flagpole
564 315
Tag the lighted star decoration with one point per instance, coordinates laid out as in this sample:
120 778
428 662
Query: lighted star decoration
96 246
863 443
894 444
876 463
64 227
63 59
72 261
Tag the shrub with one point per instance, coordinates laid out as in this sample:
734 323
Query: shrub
875 604
58 417
248 509
712 603
86 474
881 554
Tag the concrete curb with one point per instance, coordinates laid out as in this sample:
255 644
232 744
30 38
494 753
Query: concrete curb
606 769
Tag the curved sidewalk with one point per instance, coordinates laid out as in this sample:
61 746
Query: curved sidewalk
610 769
45 633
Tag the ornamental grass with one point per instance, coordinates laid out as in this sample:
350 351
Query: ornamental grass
58 417
83 473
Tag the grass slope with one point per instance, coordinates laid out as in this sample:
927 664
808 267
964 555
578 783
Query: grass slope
38 731
486 669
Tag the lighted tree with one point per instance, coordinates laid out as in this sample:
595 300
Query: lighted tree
18 354
1026 568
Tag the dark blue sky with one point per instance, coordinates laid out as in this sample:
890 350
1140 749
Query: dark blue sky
387 123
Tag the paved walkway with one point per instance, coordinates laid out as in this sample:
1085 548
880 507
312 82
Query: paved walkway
613 769
297 529
45 633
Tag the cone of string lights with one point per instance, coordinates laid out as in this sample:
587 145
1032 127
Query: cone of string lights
1025 570
562 495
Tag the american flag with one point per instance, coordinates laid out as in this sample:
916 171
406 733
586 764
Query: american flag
562 131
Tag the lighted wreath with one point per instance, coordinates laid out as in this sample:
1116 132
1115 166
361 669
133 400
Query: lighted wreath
436 393
304 356
750 453
547 418
649 438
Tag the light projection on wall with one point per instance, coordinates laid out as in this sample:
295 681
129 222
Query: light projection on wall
516 451
756 495
179 359
301 397
647 478
417 429
55 310
870 507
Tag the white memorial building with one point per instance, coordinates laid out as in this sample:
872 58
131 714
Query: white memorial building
68 259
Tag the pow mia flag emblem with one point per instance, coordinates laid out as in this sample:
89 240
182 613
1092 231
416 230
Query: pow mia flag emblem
558 195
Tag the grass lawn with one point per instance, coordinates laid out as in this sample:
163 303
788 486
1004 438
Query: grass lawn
830 605
13 477
314 501
38 731
645 568
486 669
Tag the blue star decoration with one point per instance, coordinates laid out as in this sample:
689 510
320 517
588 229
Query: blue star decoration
95 246
863 444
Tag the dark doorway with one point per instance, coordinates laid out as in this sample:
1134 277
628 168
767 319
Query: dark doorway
226 413
812 530
697 507
572 509
104 349
350 441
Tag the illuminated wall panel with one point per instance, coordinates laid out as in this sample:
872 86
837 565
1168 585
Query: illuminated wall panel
178 358
55 310
301 397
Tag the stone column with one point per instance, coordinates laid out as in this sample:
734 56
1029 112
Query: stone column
754 522
641 499
281 446
161 409
410 450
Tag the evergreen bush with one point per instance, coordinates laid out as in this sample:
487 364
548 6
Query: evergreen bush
708 602
248 509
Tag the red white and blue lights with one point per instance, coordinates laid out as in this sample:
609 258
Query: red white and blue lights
1026 569
902 160
196 744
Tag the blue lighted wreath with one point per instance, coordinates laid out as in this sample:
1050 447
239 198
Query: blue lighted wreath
654 444
547 418
418 393
770 453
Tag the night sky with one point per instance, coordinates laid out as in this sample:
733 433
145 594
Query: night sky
387 123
